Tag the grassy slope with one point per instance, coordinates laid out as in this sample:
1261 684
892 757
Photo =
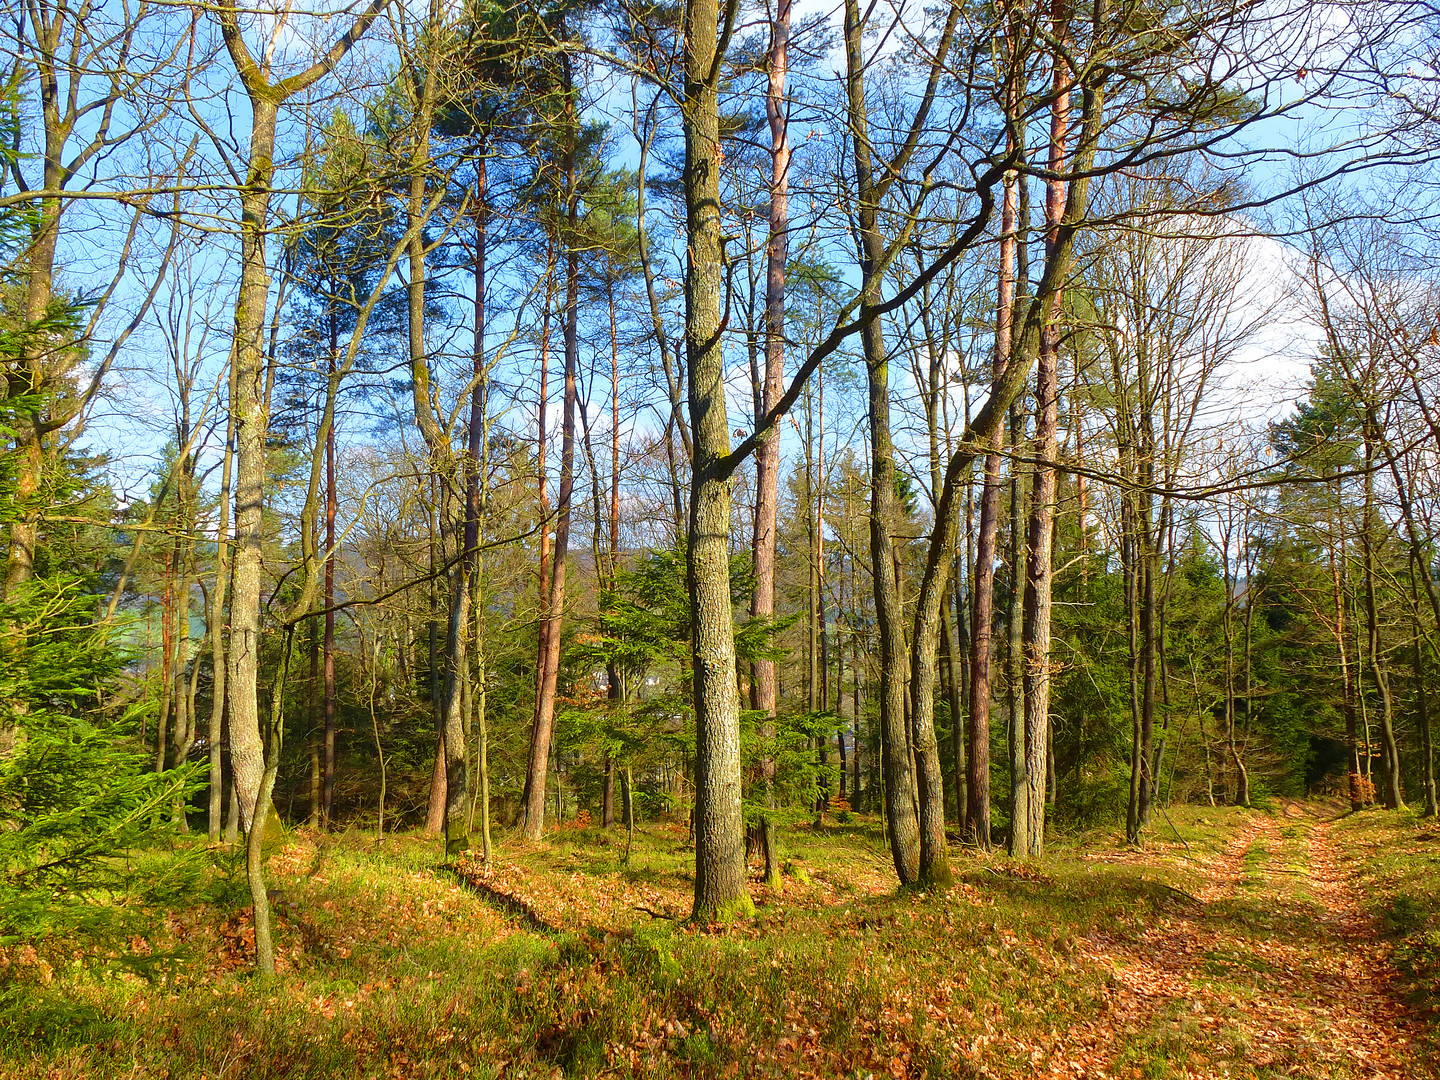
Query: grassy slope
1191 959
1397 883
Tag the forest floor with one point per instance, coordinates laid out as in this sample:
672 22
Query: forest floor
1295 941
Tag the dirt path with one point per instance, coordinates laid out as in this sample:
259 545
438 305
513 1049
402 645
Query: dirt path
1380 1025
1273 970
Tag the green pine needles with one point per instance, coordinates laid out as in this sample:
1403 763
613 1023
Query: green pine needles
77 797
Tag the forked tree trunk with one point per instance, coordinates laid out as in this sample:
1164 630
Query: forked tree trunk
39 277
79 62
931 619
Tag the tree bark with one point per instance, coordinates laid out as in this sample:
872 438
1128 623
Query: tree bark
1422 715
901 821
477 485
442 459
251 414
982 618
542 479
216 625
1015 626
1039 574
953 677
435 811
1393 796
1015 643
767 456
1347 681
331 505
542 733
720 888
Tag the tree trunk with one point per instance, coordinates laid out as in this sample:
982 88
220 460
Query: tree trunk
1422 715
1015 623
477 485
250 410
1036 624
39 265
901 820
720 888
435 811
1347 682
315 717
607 795
542 497
185 684
331 504
1132 570
614 566
615 688
982 618
627 810
767 456
1039 575
771 853
442 458
317 773
167 661
232 815
812 588
1149 568
1392 797
1418 560
216 627
542 733
952 678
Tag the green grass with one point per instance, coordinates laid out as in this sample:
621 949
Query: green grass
567 960
1399 871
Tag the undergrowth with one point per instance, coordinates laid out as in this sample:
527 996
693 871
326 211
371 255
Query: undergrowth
1401 869
565 958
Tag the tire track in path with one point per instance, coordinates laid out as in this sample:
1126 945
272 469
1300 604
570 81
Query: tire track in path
1363 977
1273 971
